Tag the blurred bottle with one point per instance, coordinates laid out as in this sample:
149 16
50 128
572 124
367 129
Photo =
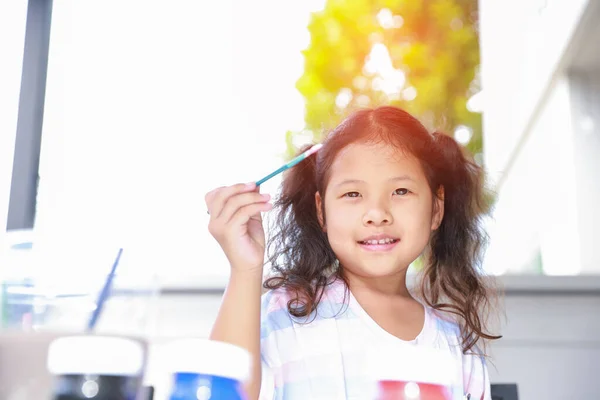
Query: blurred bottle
410 372
96 367
401 390
207 370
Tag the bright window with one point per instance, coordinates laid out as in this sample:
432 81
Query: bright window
149 105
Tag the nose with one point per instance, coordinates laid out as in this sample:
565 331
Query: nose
378 215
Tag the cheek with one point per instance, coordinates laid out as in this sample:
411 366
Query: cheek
416 222
416 213
411 213
340 223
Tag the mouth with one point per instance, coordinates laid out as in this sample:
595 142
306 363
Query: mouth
378 243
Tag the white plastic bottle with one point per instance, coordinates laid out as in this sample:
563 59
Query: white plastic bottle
96 367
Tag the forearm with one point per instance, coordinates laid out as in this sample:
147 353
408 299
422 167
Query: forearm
238 320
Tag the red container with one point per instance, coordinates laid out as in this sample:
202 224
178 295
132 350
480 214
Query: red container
410 372
398 390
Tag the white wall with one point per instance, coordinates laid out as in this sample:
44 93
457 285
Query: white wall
536 209
551 346
541 134
522 44
585 97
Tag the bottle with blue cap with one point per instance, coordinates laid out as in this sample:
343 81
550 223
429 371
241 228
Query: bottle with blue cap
207 370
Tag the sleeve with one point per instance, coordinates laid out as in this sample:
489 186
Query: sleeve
476 380
273 318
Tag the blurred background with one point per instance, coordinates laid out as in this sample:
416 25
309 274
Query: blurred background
116 117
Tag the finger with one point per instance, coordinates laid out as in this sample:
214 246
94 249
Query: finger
209 196
218 199
244 214
238 201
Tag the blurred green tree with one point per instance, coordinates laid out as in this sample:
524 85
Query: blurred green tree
421 55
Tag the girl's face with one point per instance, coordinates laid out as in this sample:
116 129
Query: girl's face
379 210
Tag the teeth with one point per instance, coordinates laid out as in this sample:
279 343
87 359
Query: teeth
380 241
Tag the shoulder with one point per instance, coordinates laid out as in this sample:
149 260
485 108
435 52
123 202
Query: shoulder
275 303
474 366
274 314
444 326
277 319
276 325
281 332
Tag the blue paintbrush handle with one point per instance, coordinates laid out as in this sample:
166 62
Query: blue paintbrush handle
281 169
104 293
290 164
272 174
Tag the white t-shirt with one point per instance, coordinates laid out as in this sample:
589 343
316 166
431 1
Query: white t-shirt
328 357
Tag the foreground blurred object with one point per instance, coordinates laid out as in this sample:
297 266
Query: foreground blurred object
408 372
97 367
104 293
23 372
50 286
207 370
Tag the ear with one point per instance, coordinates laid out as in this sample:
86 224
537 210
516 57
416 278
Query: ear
438 209
319 203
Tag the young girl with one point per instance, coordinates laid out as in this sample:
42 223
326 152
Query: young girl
381 192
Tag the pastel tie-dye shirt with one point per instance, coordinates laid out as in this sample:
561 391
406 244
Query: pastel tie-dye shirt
325 359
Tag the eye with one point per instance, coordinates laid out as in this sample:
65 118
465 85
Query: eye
351 194
401 191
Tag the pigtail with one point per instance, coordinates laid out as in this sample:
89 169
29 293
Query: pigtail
299 251
453 279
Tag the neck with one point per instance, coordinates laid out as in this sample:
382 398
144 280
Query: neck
391 285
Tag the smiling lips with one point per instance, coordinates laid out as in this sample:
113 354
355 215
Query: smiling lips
379 242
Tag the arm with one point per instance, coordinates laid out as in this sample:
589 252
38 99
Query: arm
238 320
236 223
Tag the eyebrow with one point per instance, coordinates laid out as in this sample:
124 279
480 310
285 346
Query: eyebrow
358 181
